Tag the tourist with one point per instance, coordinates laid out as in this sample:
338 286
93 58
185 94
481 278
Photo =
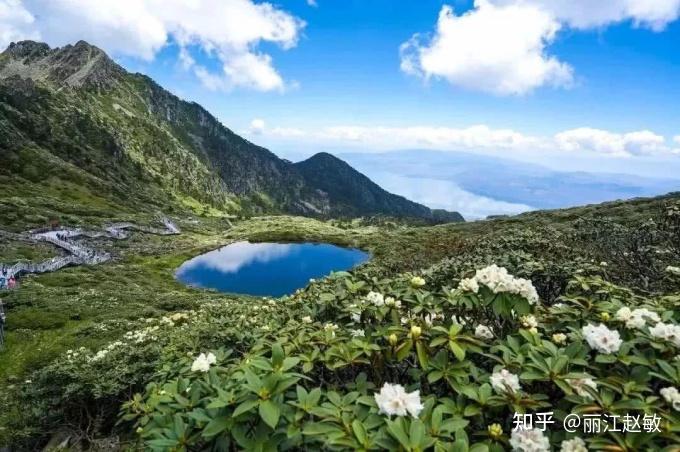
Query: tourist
2 325
11 284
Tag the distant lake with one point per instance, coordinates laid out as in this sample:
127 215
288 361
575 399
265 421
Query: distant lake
267 269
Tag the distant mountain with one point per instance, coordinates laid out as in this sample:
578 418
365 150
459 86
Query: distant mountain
74 122
354 194
502 179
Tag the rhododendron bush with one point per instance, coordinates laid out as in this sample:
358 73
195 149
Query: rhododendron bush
435 367
578 318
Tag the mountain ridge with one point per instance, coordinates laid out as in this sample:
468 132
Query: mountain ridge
133 136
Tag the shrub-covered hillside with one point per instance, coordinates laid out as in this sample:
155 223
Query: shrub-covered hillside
433 345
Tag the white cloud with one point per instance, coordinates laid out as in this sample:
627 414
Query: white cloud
585 14
501 46
288 132
16 22
445 194
587 139
478 136
312 3
229 31
497 49
257 126
482 138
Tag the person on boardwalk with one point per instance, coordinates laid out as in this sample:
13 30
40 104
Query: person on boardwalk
2 326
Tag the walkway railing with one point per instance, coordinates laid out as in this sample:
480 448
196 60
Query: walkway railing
78 253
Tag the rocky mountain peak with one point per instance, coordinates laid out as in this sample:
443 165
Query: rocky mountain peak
78 65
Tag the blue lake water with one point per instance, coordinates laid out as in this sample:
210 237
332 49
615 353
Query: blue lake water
267 269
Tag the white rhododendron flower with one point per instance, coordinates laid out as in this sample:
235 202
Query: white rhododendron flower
624 314
390 301
356 317
357 333
469 285
504 381
417 281
673 270
636 319
579 386
602 339
483 332
672 396
393 400
667 332
499 281
528 321
529 440
573 445
306 319
375 298
330 328
203 362
559 338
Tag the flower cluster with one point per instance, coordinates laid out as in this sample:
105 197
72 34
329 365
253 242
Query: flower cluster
529 440
673 270
417 282
330 328
143 335
500 281
602 339
559 338
394 400
505 381
483 332
672 396
203 362
375 298
636 318
573 445
580 385
667 332
105 351
529 322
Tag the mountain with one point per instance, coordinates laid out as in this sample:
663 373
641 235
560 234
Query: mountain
75 127
498 185
354 194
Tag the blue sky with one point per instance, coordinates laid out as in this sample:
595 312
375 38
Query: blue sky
347 66
574 85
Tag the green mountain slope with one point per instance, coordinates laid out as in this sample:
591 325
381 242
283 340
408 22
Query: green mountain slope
76 128
354 194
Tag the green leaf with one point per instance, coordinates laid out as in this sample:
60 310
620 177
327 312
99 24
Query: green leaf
359 431
458 351
398 432
277 355
423 356
216 426
245 407
270 413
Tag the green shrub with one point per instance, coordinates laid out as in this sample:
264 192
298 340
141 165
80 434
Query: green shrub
35 319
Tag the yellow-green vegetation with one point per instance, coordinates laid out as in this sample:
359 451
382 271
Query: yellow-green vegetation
115 349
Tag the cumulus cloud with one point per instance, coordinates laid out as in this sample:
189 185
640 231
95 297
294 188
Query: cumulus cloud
585 14
431 137
584 140
16 22
501 46
229 31
257 126
587 139
498 49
